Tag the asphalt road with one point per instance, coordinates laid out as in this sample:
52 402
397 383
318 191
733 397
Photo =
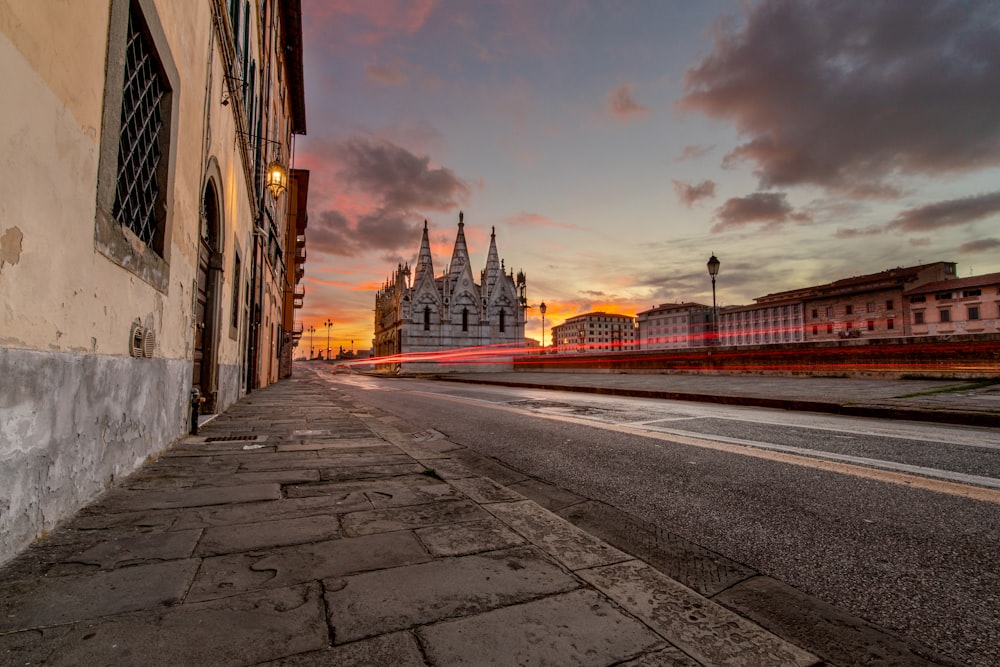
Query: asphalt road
896 522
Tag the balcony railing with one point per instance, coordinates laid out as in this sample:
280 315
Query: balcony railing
300 291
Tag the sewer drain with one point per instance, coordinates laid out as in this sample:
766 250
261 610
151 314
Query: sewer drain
235 438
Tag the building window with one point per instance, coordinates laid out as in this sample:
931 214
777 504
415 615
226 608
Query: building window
918 317
139 185
135 171
889 305
465 319
503 320
973 312
945 315
236 290
870 307
890 324
871 325
815 313
427 318
972 292
918 299
829 311
829 328
849 309
815 330
943 296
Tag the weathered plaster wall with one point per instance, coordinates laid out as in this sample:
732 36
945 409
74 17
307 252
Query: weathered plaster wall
76 411
73 423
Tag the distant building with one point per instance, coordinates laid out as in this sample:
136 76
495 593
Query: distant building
672 326
595 332
295 260
959 306
434 314
871 305
773 319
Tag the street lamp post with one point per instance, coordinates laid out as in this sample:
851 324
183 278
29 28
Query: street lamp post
541 308
312 330
713 270
329 323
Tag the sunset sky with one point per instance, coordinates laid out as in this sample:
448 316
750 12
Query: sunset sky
616 145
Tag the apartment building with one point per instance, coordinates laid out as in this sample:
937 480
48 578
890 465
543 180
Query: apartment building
595 332
959 306
672 326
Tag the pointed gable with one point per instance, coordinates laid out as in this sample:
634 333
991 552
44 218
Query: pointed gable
425 264
460 255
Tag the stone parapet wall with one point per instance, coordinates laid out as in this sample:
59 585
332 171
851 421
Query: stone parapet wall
964 357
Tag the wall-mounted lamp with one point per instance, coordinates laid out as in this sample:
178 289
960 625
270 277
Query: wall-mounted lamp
276 179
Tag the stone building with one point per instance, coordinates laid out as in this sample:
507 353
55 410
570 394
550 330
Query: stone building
871 305
672 326
596 332
959 306
146 144
416 321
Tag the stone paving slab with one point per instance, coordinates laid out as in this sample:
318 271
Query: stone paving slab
58 600
274 510
576 628
709 632
398 649
241 630
387 600
568 544
484 490
468 538
369 472
697 568
385 492
124 500
403 518
254 536
342 444
222 576
109 554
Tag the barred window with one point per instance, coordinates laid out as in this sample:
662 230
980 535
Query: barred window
138 188
137 154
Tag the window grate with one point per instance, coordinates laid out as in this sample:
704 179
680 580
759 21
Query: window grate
139 147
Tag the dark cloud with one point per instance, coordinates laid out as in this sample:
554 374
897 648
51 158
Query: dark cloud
981 245
403 187
950 213
332 233
399 179
689 194
850 95
771 208
623 104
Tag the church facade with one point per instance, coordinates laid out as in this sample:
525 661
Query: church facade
447 322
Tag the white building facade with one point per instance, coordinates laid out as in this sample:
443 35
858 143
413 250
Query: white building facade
451 321
597 332
672 326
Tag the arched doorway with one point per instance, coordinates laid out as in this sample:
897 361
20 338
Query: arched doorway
205 366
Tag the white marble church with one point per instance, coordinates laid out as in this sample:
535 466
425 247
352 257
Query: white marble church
430 317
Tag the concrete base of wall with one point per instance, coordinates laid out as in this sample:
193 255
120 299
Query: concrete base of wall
71 424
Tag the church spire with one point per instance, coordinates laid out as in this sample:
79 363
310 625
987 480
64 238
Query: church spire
493 271
424 263
460 255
